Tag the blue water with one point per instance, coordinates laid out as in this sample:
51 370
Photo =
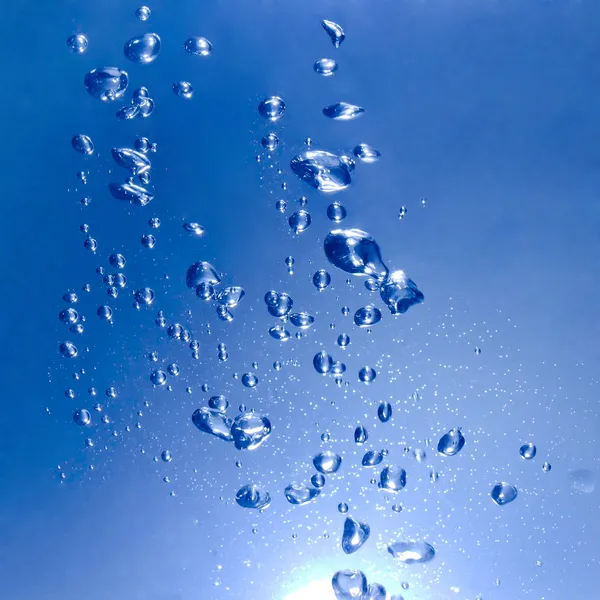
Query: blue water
486 117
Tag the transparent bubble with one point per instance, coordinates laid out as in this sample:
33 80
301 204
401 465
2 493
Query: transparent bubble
117 261
272 108
528 451
83 144
143 13
327 462
503 493
300 221
270 142
249 380
451 443
321 279
322 362
342 507
158 377
68 349
325 67
107 83
367 374
148 241
198 46
281 205
143 49
77 43
367 316
183 89
546 467
322 170
166 456
299 493
144 296
355 534
318 480
68 316
343 111
105 313
334 31
82 417
367 153
90 244
251 496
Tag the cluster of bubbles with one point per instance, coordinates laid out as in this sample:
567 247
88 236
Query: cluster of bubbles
352 251
204 279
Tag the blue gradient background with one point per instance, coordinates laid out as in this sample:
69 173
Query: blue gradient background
490 111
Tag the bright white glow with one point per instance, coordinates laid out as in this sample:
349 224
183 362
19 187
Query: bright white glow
315 590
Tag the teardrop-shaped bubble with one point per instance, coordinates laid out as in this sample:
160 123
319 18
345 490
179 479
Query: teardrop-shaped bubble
82 417
144 296
360 435
143 49
400 293
503 493
412 551
201 272
83 144
131 192
322 170
279 333
322 362
355 535
376 591
367 316
272 108
219 403
132 160
384 412
250 430
366 153
392 479
528 451
349 585
299 493
280 305
251 496
213 422
106 83
321 279
325 67
451 443
343 111
302 320
300 221
334 31
372 458
230 296
198 46
356 252
327 462
582 480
